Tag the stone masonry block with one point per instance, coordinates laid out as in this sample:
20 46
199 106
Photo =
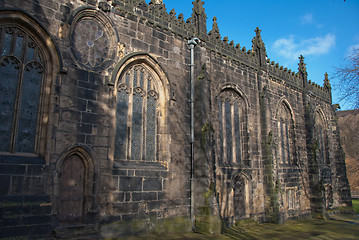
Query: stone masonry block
130 184
152 184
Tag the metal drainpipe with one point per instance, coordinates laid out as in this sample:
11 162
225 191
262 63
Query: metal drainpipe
191 45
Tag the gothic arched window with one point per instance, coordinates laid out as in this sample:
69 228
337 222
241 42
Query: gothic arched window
137 117
286 146
21 79
322 138
232 127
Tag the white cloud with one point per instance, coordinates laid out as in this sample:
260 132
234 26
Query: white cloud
290 48
307 18
351 49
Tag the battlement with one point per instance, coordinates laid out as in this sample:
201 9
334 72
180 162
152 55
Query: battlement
155 13
323 92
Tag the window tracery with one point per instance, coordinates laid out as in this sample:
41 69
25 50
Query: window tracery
136 115
22 72
231 127
285 133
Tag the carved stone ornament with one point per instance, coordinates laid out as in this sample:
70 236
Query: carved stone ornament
215 30
156 2
198 7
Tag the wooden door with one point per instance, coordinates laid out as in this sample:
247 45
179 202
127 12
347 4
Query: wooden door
239 198
72 189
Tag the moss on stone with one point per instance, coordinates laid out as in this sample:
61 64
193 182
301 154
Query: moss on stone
206 220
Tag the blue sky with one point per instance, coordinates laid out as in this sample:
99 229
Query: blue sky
324 31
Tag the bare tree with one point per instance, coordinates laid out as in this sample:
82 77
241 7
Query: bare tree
348 76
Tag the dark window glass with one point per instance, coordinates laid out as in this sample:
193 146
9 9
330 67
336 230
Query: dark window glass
136 116
230 127
20 88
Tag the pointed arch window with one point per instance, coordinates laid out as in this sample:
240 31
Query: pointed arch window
232 127
21 79
286 143
137 115
322 138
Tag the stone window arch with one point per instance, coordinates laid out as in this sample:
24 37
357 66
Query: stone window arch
141 111
28 66
286 153
232 129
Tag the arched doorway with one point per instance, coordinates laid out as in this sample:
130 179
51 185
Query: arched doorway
72 186
240 198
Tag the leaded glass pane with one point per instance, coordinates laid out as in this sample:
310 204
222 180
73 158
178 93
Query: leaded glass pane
18 46
228 119
287 133
237 132
141 78
136 137
121 125
151 129
6 46
8 84
282 141
30 96
220 118
127 80
30 53
135 78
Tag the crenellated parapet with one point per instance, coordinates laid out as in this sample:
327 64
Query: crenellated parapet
324 92
298 80
155 13
284 75
228 48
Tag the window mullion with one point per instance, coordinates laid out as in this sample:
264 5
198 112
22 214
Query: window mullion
129 117
15 126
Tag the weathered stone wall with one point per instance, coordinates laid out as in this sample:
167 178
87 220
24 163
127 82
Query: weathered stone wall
239 166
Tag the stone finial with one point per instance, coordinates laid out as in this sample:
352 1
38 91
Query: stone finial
257 31
302 70
259 48
301 65
215 30
198 7
257 42
156 2
327 82
199 18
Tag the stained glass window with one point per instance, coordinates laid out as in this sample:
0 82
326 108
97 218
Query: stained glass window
21 74
230 127
285 135
321 139
136 116
229 132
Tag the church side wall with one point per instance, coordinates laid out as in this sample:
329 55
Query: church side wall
246 167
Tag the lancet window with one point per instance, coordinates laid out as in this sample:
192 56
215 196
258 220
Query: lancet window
322 138
286 147
232 126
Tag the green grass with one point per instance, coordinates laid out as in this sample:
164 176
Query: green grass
338 227
356 205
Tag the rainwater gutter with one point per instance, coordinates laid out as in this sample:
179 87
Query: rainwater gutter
192 43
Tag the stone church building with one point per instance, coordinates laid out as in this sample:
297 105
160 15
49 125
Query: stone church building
120 116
